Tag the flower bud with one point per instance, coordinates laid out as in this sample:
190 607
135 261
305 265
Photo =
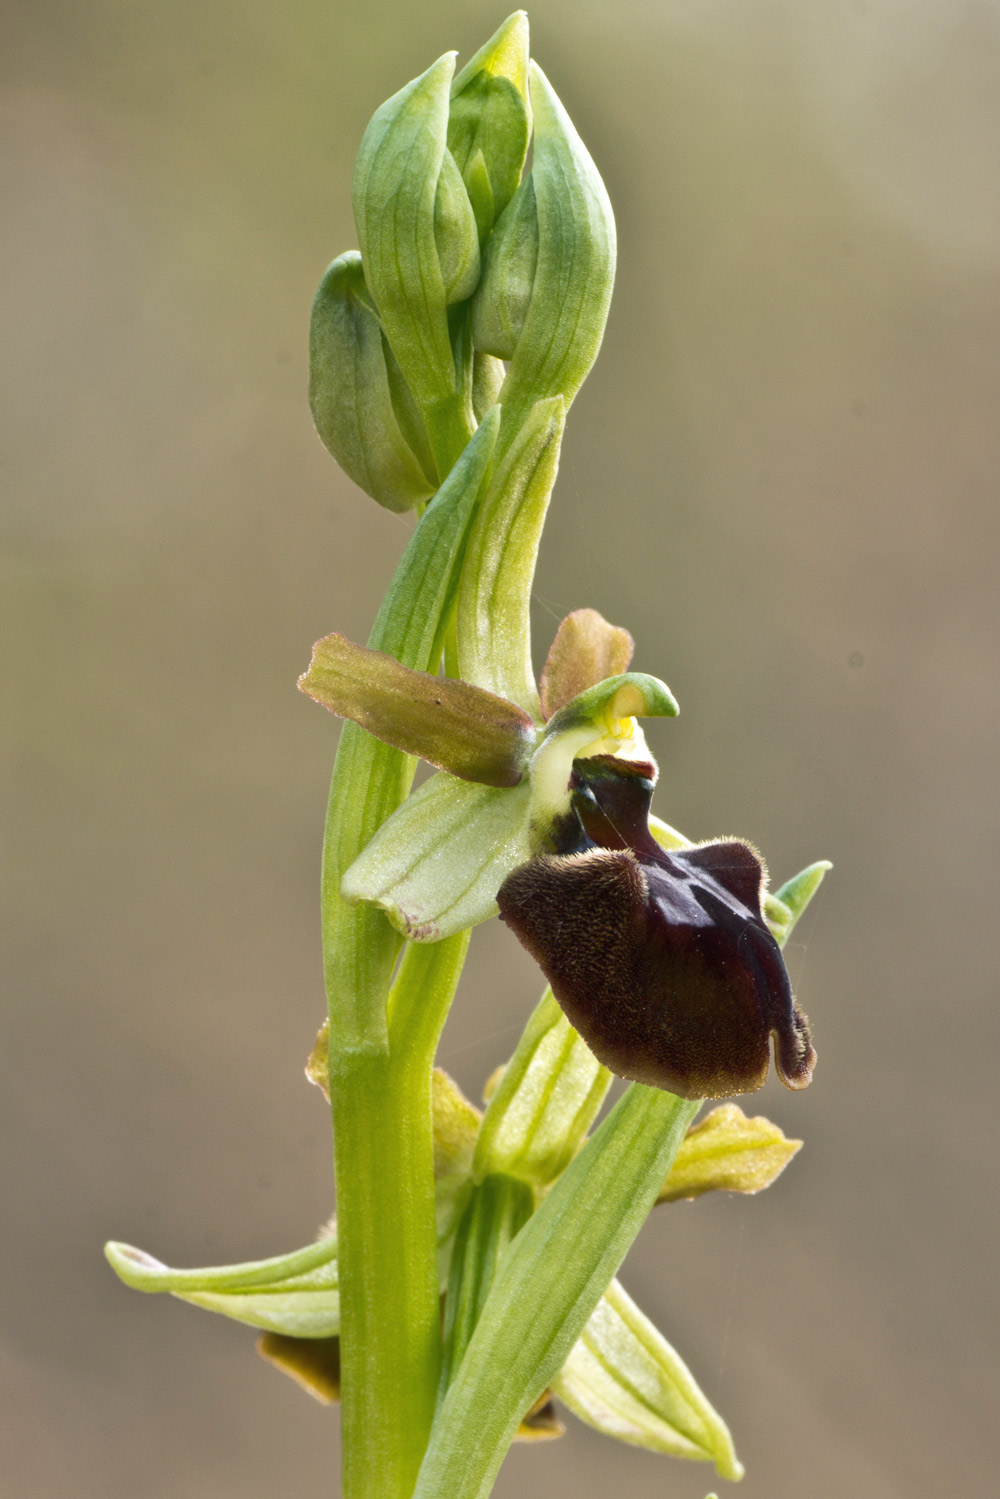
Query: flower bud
545 293
420 246
350 392
489 121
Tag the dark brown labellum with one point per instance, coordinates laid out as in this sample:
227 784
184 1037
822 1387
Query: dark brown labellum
662 961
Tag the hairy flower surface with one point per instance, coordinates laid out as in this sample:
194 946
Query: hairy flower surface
662 960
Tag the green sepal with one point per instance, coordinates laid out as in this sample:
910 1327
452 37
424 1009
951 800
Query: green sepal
350 395
727 1152
489 122
465 730
574 274
547 1098
455 233
793 897
624 1379
510 260
547 1287
436 865
494 599
296 1293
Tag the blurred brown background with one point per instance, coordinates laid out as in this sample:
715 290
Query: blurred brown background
782 476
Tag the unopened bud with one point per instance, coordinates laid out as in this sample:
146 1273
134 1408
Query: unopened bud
543 299
350 392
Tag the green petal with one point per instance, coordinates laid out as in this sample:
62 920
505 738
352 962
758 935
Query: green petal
436 865
549 1095
623 1378
474 734
631 694
727 1152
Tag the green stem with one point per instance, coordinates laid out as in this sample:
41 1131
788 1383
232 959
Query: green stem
390 1362
380 1065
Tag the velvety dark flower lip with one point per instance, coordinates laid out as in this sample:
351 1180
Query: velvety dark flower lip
662 961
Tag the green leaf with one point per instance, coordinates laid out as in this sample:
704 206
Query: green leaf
350 395
586 650
546 1288
473 734
494 599
624 1379
436 865
727 1152
547 1098
296 1293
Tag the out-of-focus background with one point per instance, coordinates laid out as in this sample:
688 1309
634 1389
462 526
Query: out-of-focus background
781 476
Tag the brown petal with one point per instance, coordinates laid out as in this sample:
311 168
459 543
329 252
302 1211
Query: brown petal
586 650
460 728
